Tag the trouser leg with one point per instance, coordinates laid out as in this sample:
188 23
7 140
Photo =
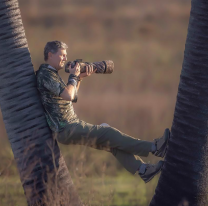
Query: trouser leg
123 146
129 161
80 132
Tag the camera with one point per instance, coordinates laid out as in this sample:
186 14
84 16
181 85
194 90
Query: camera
103 67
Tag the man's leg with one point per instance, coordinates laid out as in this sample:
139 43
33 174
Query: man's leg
80 132
110 139
130 162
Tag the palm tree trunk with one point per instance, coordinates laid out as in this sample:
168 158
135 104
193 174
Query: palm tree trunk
184 178
43 173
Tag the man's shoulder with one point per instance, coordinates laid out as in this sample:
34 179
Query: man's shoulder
48 78
45 71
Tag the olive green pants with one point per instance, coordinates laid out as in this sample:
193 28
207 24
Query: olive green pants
125 148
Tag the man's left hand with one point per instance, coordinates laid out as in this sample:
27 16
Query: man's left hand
89 71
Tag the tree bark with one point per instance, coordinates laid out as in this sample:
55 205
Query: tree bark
183 180
43 172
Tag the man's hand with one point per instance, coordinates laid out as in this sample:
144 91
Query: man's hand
89 71
75 70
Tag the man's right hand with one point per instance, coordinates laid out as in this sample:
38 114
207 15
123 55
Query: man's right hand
75 70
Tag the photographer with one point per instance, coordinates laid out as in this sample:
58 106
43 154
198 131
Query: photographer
57 98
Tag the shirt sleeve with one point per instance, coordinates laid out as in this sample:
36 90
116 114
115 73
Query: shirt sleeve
52 83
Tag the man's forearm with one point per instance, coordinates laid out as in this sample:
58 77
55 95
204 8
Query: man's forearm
70 90
78 84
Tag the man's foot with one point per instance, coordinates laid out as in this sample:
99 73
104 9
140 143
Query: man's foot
161 144
151 170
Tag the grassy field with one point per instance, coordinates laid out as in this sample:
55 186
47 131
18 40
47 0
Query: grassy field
121 190
146 40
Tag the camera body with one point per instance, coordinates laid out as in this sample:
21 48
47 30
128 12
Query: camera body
103 67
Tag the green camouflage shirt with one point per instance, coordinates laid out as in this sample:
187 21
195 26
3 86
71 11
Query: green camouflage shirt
57 110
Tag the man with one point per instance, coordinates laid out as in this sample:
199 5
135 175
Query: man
57 98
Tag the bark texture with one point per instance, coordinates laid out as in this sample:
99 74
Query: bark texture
44 175
184 178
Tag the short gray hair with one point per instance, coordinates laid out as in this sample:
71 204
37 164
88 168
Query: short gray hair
53 47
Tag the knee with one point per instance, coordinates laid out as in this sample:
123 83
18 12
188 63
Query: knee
105 125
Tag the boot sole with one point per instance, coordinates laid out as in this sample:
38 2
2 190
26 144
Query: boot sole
155 173
162 154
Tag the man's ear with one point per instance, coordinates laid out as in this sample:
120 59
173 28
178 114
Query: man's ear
50 55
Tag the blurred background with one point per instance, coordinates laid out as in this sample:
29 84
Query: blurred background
146 41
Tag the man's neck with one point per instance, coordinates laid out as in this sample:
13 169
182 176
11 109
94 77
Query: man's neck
52 67
49 66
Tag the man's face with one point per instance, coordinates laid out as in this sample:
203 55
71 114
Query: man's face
58 60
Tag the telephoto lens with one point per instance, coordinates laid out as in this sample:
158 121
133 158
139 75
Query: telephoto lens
103 67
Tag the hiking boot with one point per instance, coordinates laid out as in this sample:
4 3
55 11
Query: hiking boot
161 144
151 170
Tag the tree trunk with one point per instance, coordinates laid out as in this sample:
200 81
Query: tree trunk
43 173
183 180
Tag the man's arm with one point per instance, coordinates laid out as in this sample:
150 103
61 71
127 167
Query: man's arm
78 84
68 93
89 71
70 90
